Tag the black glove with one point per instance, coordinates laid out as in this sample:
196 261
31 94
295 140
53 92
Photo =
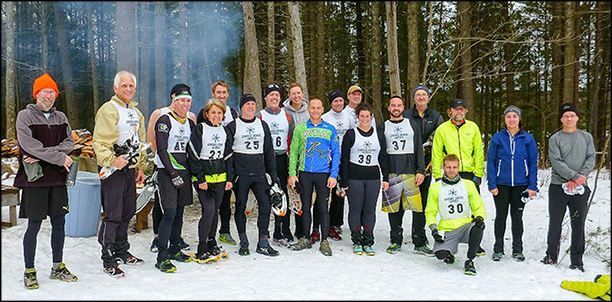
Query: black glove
276 180
477 180
177 180
437 237
479 222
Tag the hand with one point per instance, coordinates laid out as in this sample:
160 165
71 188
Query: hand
140 176
532 193
331 182
477 180
276 180
228 185
67 162
494 191
479 222
385 185
31 160
418 179
177 180
292 180
437 237
119 162
203 186
571 185
581 180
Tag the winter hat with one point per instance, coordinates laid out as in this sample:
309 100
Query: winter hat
353 89
180 90
514 109
568 107
421 87
457 103
270 88
246 98
334 94
45 81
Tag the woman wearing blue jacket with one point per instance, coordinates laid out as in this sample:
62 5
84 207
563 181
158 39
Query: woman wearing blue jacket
512 168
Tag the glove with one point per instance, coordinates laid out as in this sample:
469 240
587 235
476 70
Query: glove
177 180
477 180
479 222
437 237
438 179
277 181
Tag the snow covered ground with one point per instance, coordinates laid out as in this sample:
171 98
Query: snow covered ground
308 275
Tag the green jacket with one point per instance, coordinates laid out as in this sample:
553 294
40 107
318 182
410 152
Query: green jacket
448 139
432 209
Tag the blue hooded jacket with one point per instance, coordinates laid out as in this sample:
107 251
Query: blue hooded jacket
512 161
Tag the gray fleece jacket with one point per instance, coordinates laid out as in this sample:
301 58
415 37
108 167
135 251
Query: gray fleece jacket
571 154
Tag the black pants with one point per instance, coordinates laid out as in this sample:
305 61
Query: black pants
336 208
318 181
259 186
509 197
57 239
558 202
282 223
211 201
362 197
173 202
225 212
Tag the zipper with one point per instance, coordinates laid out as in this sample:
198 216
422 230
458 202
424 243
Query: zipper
499 167
512 149
460 153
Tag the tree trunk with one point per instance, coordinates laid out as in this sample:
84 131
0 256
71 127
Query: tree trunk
320 80
465 53
145 52
413 50
360 45
594 116
376 72
72 108
570 60
44 47
93 62
11 113
295 29
556 86
160 56
127 38
183 65
395 86
271 43
252 82
508 55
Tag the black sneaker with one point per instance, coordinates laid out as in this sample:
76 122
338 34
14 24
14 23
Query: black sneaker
267 250
219 252
469 268
548 260
132 260
165 266
183 245
114 272
207 257
577 267
450 259
180 257
155 245
480 251
244 250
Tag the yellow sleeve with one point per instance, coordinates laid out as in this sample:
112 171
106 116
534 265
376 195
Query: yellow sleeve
437 153
105 134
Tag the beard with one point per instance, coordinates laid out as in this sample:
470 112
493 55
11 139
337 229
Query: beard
458 117
44 106
393 115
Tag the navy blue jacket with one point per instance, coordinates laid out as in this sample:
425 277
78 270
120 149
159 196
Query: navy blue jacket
512 161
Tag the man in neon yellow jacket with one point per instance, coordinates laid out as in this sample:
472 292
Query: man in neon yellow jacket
461 137
462 215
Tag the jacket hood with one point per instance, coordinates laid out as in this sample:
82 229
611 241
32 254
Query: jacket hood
288 107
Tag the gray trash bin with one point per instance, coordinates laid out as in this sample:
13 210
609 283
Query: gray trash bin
85 204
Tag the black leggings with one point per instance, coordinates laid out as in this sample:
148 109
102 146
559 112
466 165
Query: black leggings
210 200
509 197
57 239
319 182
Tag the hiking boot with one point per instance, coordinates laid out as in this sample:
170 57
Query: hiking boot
132 260
184 245
165 266
325 248
227 238
498 256
244 250
518 257
219 252
180 257
303 243
267 251
469 268
207 257
449 259
368 250
357 249
62 273
114 272
333 234
480 251
29 279
315 236
548 260
577 267
424 250
394 248
155 245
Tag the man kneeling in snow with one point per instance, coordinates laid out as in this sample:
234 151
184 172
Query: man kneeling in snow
453 197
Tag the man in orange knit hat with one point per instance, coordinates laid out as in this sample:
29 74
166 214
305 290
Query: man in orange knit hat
45 139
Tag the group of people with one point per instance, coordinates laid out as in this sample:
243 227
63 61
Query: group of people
413 161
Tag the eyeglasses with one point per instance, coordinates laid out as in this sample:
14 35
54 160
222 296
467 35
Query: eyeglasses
49 92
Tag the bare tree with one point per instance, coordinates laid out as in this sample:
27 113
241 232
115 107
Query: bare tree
320 47
376 55
413 50
160 55
271 43
570 62
127 38
252 82
395 85
508 54
183 40
298 47
93 62
465 54
9 8
72 108
44 35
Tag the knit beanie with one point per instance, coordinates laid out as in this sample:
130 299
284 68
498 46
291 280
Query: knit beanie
334 95
45 81
568 107
246 98
421 87
514 109
270 88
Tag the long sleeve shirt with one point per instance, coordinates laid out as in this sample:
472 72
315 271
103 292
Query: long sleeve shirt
571 154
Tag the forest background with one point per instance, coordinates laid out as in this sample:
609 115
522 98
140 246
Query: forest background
533 54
